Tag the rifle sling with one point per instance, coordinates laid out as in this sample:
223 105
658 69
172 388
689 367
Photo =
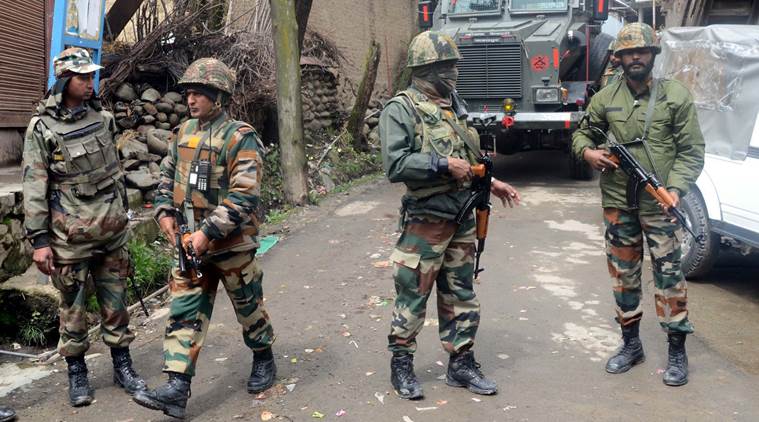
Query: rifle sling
465 136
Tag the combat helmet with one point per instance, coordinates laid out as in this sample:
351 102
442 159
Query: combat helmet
211 73
74 60
636 35
431 47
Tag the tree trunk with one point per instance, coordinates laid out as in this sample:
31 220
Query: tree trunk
365 89
289 106
302 10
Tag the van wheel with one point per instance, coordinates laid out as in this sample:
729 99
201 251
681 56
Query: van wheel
698 258
579 169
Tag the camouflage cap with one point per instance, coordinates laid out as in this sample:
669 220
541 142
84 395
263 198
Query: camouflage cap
76 60
636 35
210 72
430 47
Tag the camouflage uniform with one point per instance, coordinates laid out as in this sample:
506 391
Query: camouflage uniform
677 149
611 73
75 203
417 132
226 214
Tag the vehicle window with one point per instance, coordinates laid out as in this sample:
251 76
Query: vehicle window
473 6
530 5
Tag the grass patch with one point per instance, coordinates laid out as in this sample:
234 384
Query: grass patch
151 263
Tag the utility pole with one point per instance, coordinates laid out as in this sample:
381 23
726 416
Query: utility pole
289 105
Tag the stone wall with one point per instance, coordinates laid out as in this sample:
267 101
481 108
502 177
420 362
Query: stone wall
15 250
321 106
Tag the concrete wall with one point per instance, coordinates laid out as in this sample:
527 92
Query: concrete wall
353 24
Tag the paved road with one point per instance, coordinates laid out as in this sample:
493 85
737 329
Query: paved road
545 334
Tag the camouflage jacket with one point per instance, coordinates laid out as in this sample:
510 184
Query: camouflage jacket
674 138
415 135
226 213
74 192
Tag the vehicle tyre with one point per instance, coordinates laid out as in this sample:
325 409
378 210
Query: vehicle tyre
698 259
579 169
599 57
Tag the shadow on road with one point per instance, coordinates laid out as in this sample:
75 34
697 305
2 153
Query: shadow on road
535 167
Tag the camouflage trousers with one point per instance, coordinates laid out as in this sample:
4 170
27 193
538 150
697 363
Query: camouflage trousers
435 251
109 273
192 303
624 252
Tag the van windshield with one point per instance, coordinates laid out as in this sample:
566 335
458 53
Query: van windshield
540 5
473 6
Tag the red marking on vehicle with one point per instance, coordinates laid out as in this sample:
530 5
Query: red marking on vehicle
507 121
555 58
426 12
600 6
539 63
484 108
567 124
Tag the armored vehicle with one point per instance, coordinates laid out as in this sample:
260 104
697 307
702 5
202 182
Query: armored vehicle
530 64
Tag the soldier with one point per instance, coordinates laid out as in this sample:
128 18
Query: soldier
661 114
613 70
427 146
212 175
75 206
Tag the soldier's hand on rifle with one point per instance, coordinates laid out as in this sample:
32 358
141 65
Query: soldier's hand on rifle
675 203
505 192
43 257
199 242
168 226
460 169
599 159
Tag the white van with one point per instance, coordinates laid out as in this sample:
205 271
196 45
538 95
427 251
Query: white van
720 65
724 203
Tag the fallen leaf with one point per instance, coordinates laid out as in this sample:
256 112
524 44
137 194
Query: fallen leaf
266 415
345 334
220 359
503 356
343 316
382 264
439 363
341 412
369 374
660 371
294 360
407 419
309 350
424 409
523 319
380 397
317 415
441 402
475 399
507 408
290 387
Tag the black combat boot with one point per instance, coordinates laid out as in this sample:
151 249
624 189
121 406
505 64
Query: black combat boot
677 367
263 372
631 352
403 378
464 371
80 392
7 414
123 374
171 398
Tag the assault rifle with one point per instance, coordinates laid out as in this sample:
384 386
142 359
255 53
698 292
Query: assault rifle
639 177
479 199
188 259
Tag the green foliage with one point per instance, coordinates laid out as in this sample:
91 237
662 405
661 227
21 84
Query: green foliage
35 330
272 195
151 263
277 216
